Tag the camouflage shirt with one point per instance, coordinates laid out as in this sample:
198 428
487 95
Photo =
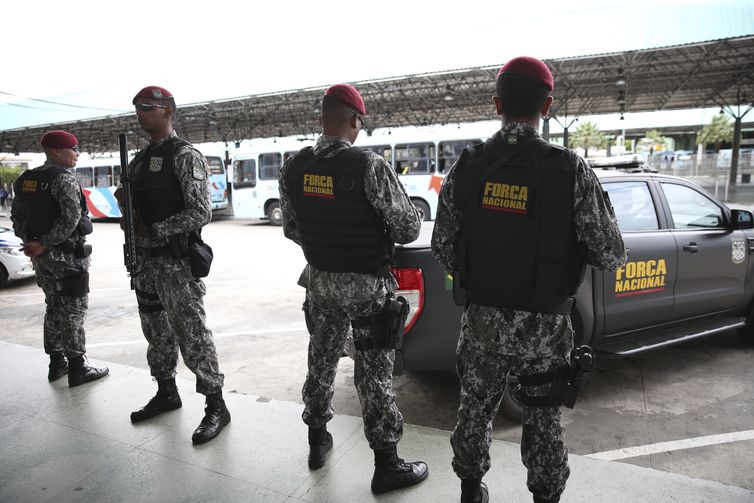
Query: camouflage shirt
387 196
594 220
65 189
191 170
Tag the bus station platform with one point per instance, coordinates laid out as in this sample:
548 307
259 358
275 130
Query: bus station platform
78 445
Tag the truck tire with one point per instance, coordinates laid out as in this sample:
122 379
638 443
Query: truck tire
747 332
275 214
423 209
3 276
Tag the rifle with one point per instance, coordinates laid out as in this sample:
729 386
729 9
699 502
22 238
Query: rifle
129 247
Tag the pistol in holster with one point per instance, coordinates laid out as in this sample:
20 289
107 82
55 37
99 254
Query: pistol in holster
565 381
385 327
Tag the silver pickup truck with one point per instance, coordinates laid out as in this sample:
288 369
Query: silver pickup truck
689 274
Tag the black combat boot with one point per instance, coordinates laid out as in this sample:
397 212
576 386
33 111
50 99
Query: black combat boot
166 399
79 372
58 366
474 491
391 472
216 416
320 443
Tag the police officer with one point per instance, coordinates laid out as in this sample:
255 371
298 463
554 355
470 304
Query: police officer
345 206
49 214
171 205
518 219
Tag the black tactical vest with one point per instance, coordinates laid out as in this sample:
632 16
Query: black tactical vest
33 190
340 230
156 189
518 247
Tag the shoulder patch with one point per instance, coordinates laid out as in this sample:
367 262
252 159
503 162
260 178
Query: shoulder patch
199 171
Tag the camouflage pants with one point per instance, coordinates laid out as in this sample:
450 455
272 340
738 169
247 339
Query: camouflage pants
171 309
65 314
493 343
373 373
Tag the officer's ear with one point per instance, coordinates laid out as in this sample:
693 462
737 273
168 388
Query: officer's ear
546 106
498 105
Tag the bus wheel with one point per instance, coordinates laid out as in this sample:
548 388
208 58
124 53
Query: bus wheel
275 214
423 209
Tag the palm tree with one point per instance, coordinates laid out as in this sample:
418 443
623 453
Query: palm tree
718 131
653 139
587 136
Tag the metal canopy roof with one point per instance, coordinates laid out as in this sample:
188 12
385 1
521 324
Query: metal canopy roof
704 74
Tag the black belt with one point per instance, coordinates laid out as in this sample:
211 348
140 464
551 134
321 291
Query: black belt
155 251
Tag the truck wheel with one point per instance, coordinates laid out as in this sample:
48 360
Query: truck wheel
423 209
747 332
510 407
3 276
275 214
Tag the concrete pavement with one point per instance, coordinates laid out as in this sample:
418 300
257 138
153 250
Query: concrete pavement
61 444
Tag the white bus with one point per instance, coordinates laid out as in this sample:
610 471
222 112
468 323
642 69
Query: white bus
421 159
100 177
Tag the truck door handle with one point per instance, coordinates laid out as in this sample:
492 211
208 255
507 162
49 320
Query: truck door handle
691 248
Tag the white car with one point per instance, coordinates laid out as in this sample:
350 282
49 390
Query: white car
13 263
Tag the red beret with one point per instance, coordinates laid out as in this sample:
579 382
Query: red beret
531 68
348 95
58 139
153 93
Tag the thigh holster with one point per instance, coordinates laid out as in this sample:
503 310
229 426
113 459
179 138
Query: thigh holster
148 302
76 285
565 381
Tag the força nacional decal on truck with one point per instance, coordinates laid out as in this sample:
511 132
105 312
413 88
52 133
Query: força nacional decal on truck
641 277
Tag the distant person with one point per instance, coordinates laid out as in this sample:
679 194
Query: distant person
3 197
516 222
346 208
49 214
171 205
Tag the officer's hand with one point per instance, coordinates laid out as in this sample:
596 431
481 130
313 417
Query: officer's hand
33 248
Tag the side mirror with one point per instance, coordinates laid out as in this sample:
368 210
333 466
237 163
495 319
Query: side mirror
742 219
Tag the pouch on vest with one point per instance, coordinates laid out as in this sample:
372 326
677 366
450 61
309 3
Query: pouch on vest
200 255
85 226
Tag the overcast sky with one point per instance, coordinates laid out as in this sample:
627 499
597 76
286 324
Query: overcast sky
97 54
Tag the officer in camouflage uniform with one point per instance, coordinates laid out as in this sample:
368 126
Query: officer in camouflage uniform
495 205
345 207
49 214
171 205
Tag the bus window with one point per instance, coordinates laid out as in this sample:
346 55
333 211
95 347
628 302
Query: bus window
269 165
450 151
216 166
385 151
245 173
84 177
415 159
116 175
103 176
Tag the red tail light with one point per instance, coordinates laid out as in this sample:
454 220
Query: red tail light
411 286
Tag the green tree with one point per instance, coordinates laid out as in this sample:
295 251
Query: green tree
718 131
587 136
8 174
653 140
